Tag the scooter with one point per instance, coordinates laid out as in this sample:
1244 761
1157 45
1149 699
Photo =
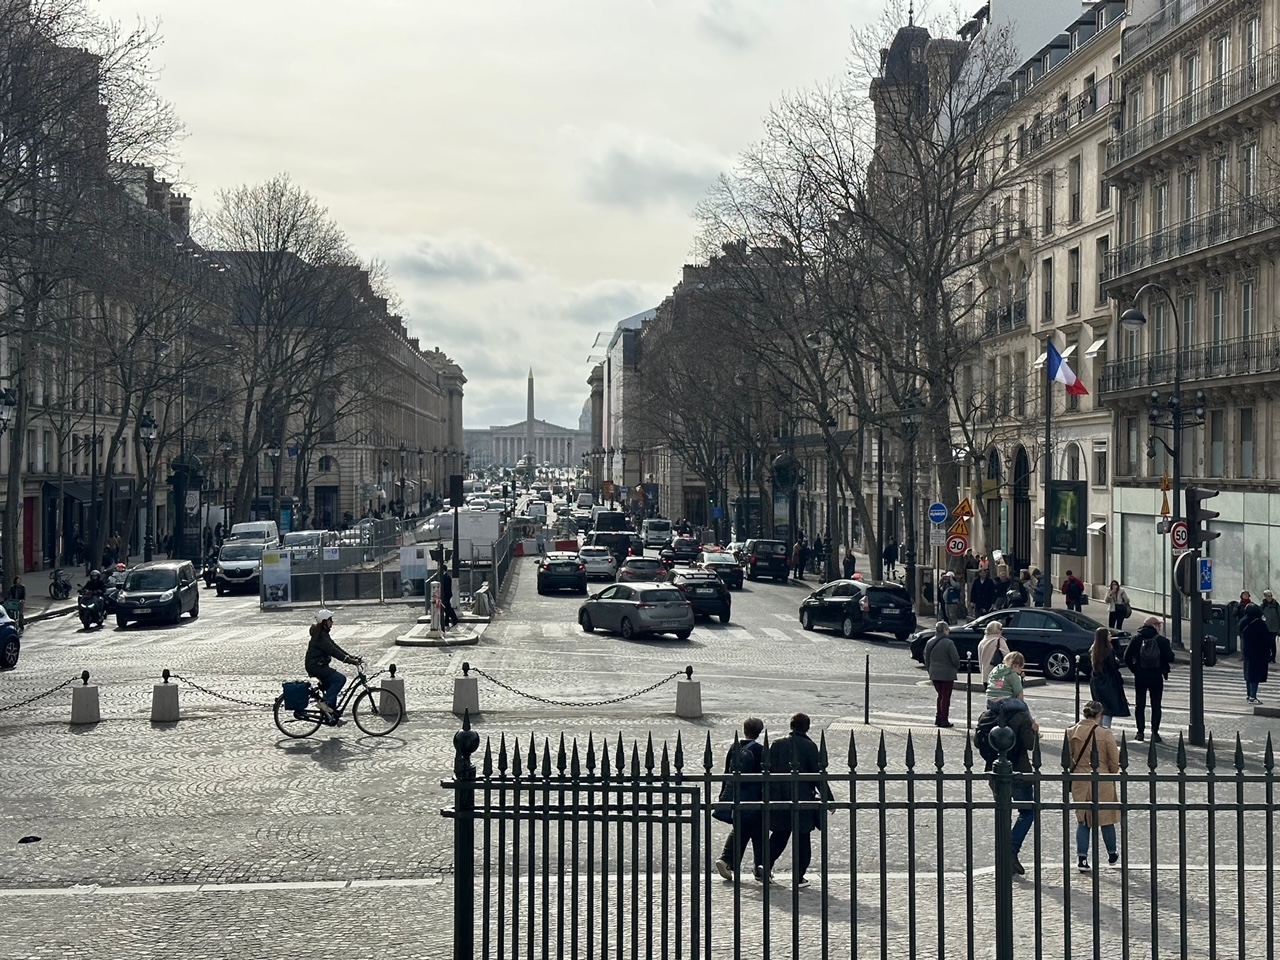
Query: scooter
210 572
92 608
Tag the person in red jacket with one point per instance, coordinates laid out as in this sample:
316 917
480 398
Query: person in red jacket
1073 590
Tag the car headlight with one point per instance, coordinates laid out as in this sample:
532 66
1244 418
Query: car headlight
168 595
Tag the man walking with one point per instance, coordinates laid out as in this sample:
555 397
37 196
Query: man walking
795 752
849 563
982 594
890 558
1073 590
1149 655
942 660
750 823
799 554
1025 730
447 615
1271 616
952 598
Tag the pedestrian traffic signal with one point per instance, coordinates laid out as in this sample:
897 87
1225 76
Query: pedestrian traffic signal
1198 516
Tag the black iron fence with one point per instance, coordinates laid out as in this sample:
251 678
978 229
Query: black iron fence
609 849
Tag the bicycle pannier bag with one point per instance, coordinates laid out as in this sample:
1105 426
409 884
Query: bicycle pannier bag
295 695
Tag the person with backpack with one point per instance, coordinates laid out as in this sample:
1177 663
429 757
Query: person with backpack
744 756
1083 739
942 660
1017 593
992 648
952 598
1073 590
1149 656
1025 730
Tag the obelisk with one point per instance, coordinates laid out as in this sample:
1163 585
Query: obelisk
528 429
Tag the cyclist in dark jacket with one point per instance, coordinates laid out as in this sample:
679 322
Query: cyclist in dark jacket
320 651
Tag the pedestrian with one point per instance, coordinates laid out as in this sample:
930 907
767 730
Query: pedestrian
1073 590
208 538
1025 730
1149 656
18 594
218 532
1036 584
982 592
1118 609
849 563
1271 614
890 557
797 559
1106 682
992 648
448 617
818 546
795 752
942 661
1006 682
970 561
952 598
1255 650
1084 739
748 824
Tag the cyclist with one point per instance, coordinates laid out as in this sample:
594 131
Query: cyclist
320 651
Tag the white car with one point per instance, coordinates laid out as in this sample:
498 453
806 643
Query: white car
599 561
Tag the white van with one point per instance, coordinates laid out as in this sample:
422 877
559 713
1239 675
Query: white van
656 533
256 531
586 501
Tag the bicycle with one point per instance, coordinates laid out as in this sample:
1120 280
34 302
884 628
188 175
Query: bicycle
376 712
60 585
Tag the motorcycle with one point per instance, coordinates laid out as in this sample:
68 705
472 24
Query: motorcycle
115 583
210 572
92 609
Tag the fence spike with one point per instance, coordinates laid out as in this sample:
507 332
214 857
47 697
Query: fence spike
561 757
938 756
502 755
1269 757
968 752
853 752
575 764
910 754
1066 754
679 757
1152 760
882 755
487 764
620 756
1037 758
648 755
1181 755
1210 755
532 765
1124 752
605 771
635 760
546 758
591 752
665 766
822 750
765 766
1239 757
735 760
516 768
708 759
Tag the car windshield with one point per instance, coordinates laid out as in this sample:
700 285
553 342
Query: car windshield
595 552
241 551
718 558
248 535
141 580
647 563
659 526
662 596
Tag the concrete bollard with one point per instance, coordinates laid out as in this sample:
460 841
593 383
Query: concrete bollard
689 696
466 693
84 702
164 701
395 685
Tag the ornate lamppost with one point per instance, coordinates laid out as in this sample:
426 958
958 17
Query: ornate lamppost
147 430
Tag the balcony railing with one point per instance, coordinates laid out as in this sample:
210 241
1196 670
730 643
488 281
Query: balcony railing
1240 357
1062 121
1139 36
1215 96
1231 222
1005 319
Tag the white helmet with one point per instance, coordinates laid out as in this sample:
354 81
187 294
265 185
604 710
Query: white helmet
322 615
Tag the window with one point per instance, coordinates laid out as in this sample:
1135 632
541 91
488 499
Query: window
1248 170
1133 229
1073 280
1217 316
1046 290
1190 74
1189 185
1252 46
1159 327
1073 462
1020 385
1221 56
1160 208
1046 200
1073 189
1104 246
1104 188
1023 212
1135 107
1217 443
1162 88
1246 309
1100 477
1218 171
1131 446
1188 322
1246 443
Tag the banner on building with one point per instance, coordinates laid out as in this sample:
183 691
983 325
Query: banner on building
1066 519
276 573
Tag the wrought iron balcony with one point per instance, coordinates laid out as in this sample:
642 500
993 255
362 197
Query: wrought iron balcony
1184 113
1064 120
1230 222
1139 36
1005 319
1243 356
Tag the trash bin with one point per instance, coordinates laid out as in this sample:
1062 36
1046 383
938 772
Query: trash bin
1220 624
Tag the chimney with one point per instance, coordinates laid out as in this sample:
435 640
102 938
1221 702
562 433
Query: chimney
180 213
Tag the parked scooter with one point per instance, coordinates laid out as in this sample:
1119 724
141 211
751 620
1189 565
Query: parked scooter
92 608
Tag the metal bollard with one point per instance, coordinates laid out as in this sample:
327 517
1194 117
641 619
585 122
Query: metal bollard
164 700
466 693
395 685
84 702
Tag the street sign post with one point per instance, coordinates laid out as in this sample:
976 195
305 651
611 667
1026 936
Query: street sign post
957 545
938 512
937 537
1206 575
1179 535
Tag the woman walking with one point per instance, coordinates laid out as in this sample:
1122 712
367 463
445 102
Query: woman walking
992 649
1083 739
1118 608
1106 683
1255 641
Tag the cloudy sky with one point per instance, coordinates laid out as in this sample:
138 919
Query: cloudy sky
526 167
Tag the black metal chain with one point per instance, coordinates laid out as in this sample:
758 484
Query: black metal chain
39 696
577 703
222 696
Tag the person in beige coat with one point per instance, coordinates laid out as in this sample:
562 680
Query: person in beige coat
992 648
1081 741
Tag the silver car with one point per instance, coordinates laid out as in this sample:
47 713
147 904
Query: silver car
599 561
632 609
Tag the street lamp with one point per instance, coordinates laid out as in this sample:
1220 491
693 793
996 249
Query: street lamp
422 454
403 450
147 430
911 415
435 471
273 451
228 447
8 404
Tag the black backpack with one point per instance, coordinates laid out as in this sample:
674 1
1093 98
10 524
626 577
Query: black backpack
988 721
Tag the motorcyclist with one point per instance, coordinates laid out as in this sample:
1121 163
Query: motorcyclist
95 587
320 651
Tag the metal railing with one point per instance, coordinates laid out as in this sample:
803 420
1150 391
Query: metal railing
1139 36
609 849
1219 94
1229 222
1239 357
1005 319
1063 120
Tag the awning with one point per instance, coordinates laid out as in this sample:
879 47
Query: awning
71 488
1071 348
1040 360
1039 524
1098 528
1095 348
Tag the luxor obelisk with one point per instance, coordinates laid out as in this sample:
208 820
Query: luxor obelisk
530 454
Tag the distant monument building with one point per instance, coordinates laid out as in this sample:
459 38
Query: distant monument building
505 446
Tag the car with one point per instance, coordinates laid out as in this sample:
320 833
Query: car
583 519
647 569
239 567
685 549
705 591
766 558
159 590
723 565
859 606
561 570
735 548
599 562
621 543
635 609
10 641
1053 641
303 545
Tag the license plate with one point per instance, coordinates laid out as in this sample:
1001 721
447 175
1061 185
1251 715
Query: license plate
705 590
564 568
142 611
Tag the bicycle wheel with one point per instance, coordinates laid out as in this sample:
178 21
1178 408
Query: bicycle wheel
377 712
292 726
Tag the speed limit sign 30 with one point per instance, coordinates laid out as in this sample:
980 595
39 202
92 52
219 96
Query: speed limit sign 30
957 545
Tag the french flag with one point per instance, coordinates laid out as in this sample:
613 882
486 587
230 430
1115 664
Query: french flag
1060 371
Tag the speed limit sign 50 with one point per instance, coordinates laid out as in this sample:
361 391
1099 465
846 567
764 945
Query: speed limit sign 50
957 545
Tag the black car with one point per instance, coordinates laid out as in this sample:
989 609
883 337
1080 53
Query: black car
1052 640
685 549
860 606
766 558
724 566
622 543
562 571
705 592
160 590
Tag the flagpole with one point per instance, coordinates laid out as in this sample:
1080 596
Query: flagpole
1046 571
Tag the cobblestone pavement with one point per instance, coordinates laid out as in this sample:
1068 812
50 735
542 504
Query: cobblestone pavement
157 841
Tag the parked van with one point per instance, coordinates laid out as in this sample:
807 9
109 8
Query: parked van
656 532
256 531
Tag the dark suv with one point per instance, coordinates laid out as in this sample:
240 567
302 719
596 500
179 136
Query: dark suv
766 558
859 606
705 592
160 590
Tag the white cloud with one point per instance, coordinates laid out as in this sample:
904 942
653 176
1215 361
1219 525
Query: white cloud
641 172
736 24
457 259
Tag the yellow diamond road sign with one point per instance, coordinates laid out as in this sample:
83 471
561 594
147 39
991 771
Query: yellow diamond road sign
965 510
960 528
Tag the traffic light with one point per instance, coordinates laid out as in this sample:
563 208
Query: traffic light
1198 516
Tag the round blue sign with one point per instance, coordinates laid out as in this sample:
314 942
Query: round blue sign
938 512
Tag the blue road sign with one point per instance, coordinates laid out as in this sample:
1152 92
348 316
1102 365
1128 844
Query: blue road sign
938 512
1206 574
717 513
